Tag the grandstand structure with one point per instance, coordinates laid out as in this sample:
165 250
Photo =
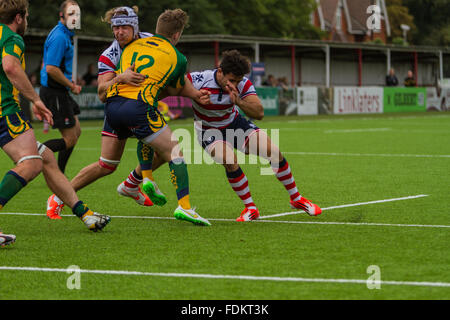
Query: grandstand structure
303 62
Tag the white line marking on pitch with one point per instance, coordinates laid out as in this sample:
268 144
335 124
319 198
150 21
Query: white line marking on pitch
283 214
367 224
359 130
349 205
262 218
323 154
231 277
368 155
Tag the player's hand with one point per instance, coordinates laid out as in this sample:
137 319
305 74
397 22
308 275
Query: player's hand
202 97
41 112
76 89
131 77
234 93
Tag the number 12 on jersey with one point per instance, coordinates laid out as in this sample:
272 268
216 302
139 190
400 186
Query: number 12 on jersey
148 60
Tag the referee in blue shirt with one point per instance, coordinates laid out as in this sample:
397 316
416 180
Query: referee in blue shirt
56 81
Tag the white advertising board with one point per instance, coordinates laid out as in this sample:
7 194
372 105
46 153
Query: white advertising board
307 101
438 99
349 100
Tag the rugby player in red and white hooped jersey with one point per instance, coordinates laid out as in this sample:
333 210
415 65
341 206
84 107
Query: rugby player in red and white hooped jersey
229 89
125 26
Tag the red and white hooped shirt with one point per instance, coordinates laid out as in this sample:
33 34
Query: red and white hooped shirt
110 58
221 112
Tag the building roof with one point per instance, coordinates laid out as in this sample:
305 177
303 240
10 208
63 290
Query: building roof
355 12
328 8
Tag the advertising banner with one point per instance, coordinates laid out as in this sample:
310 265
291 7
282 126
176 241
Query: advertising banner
307 101
92 108
258 69
405 99
90 105
438 99
349 100
180 107
270 100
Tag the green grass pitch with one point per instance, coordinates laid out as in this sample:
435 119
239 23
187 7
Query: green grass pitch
336 161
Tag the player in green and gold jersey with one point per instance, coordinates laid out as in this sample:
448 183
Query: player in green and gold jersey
132 110
17 138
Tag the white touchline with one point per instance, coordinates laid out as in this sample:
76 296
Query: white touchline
393 155
230 277
358 130
262 219
348 205
315 120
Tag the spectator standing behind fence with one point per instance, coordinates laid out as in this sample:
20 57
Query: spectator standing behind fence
90 77
283 83
391 79
410 81
271 81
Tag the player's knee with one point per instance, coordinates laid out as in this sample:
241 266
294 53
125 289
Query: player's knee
107 167
70 143
31 167
37 165
71 140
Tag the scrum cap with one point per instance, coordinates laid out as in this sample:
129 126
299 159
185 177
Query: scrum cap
131 19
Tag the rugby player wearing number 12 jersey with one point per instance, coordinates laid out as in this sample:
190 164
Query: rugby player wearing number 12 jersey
132 111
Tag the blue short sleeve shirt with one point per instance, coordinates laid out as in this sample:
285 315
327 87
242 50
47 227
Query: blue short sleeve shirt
58 52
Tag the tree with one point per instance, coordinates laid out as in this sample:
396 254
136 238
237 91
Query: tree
399 14
44 14
270 18
432 18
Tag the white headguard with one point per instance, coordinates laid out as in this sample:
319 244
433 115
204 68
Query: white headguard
131 19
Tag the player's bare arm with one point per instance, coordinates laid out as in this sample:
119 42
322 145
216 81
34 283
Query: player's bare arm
59 77
104 82
128 77
251 105
14 72
19 79
189 91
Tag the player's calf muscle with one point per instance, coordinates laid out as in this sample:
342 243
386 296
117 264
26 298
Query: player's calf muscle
89 175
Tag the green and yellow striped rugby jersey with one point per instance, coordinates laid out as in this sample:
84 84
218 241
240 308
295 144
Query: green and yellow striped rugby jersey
10 44
158 60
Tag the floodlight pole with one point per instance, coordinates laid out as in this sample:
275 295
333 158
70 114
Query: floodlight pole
257 60
293 66
360 66
327 66
441 66
257 53
416 67
216 53
388 54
